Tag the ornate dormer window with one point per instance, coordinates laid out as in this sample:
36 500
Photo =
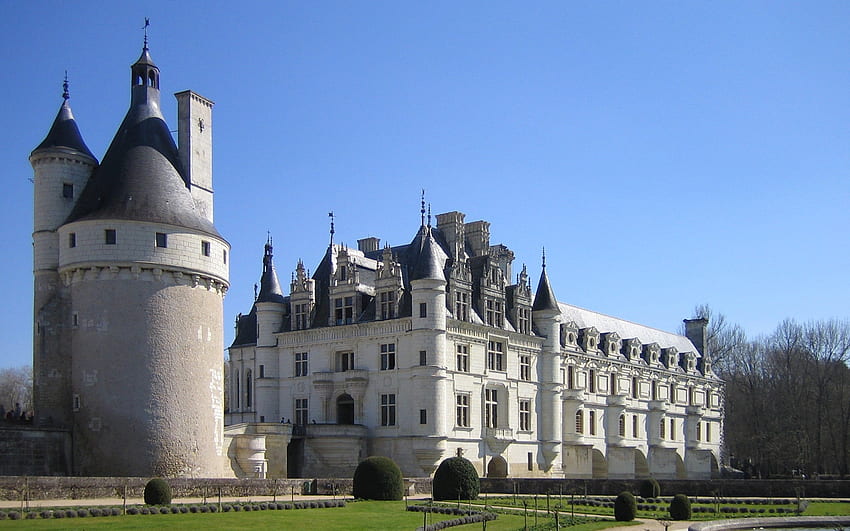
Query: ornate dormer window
631 349
651 353
688 361
388 285
519 302
302 296
494 312
611 344
670 357
589 339
569 334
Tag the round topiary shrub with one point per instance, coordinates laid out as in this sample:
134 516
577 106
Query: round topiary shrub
649 488
625 507
680 507
157 492
378 478
455 479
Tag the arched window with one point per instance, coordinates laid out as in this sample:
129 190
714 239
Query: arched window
622 425
248 388
579 421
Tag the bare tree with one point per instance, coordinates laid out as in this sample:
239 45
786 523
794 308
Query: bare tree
724 340
16 388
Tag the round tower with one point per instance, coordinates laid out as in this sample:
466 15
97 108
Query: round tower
62 165
146 273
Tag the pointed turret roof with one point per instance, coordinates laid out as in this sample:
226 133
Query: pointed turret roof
141 177
64 133
431 260
269 285
544 299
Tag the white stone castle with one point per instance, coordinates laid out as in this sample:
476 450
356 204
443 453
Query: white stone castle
129 279
424 351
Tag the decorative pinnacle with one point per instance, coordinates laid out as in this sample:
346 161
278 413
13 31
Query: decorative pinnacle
331 215
429 214
544 258
422 208
65 93
145 28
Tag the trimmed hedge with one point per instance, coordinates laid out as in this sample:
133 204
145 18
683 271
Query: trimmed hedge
157 492
680 507
455 479
378 478
625 507
649 488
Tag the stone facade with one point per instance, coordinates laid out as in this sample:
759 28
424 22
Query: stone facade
130 274
435 349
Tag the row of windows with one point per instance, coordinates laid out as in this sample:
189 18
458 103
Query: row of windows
110 237
495 359
344 361
614 387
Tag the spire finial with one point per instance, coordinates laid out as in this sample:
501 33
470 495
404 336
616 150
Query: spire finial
65 93
429 214
422 208
145 28
544 258
331 215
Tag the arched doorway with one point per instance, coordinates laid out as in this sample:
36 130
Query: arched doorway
345 409
600 465
641 466
497 468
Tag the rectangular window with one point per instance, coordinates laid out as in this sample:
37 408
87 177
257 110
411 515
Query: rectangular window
423 357
672 429
388 410
423 416
110 237
592 422
614 387
491 408
301 411
524 320
571 377
591 381
634 387
672 393
707 432
161 239
75 319
461 306
495 356
525 415
68 190
262 418
72 239
423 309
344 361
302 312
224 255
530 461
301 364
494 313
635 426
344 310
462 410
387 299
699 431
580 421
205 248
388 356
463 358
662 430
525 368
75 403
262 371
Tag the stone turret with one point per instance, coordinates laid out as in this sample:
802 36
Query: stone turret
547 320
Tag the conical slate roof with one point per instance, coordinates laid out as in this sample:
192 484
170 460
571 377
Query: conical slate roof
431 260
544 299
141 177
269 284
64 133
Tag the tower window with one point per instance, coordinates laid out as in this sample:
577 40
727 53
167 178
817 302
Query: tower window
423 309
110 237
423 416
67 190
262 371
72 239
205 248
76 402
161 239
224 255
423 357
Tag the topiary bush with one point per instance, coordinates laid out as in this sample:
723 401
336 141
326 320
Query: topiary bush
680 507
625 507
649 488
378 478
455 479
157 492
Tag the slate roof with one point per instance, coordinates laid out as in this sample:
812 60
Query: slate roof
269 284
64 133
544 299
141 177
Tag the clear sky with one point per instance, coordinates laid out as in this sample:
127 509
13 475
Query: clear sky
665 153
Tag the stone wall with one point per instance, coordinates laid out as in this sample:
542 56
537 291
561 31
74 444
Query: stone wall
31 451
726 488
75 488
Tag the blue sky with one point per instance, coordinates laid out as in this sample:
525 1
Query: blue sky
665 153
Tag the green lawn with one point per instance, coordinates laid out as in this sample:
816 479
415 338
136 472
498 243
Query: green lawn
356 515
